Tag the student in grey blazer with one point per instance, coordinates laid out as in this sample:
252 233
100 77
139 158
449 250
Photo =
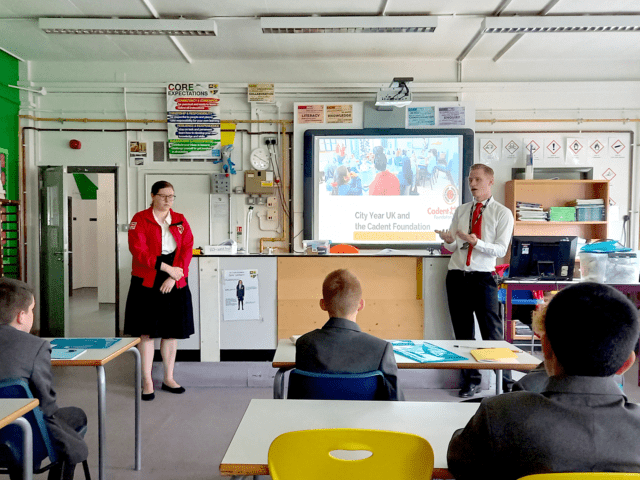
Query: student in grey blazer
27 357
340 346
580 420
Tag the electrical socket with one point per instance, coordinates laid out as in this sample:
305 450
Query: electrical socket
272 214
271 201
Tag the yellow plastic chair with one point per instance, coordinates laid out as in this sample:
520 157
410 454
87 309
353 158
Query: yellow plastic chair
587 475
307 455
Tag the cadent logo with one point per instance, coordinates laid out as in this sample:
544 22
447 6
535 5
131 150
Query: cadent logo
450 194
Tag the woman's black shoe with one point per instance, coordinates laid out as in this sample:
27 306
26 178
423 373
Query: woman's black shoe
172 389
147 397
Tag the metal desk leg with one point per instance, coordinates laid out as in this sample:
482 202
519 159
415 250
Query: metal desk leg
498 382
137 393
101 421
27 447
278 383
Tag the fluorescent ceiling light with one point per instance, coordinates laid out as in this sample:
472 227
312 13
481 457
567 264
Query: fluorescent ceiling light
561 24
349 24
126 26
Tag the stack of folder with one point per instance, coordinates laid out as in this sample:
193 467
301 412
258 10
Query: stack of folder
530 212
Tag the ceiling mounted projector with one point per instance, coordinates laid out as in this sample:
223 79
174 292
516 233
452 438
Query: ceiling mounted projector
397 94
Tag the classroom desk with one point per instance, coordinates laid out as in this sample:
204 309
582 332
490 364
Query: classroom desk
11 412
547 286
285 359
98 358
265 419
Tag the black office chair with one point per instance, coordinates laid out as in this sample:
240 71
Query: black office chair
11 441
335 386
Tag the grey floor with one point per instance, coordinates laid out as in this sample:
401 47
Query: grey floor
186 436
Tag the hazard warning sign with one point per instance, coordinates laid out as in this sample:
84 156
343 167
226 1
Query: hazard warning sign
597 147
490 150
608 174
575 147
489 147
553 146
576 153
553 151
617 148
512 150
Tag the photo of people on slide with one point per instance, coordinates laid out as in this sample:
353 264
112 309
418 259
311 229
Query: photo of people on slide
388 166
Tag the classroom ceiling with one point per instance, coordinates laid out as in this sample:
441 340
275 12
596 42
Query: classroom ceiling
240 36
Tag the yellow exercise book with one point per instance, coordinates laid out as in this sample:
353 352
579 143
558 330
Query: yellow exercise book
495 355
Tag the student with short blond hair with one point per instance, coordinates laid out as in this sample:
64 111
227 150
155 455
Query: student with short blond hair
340 346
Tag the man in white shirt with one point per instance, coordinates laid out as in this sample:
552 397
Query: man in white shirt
479 234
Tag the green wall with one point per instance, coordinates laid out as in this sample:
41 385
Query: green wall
9 110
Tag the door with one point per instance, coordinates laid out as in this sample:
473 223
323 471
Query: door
54 252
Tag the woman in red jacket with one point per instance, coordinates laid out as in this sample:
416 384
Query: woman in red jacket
159 301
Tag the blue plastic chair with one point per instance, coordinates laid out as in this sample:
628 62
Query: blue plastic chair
11 435
335 386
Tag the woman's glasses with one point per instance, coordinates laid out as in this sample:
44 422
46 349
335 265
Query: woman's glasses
166 197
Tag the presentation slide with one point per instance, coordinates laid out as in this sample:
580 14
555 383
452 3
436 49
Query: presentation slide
387 190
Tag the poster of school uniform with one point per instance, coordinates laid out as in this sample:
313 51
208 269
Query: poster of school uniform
241 295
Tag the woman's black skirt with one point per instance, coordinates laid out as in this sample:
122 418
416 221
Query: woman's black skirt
159 315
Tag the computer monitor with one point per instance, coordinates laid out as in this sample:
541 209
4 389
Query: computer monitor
543 258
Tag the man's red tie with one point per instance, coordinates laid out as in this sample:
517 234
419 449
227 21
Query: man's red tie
476 228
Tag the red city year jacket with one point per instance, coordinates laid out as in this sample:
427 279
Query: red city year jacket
145 244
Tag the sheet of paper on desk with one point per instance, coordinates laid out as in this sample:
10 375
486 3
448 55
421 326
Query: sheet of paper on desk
59 343
424 352
66 353
501 355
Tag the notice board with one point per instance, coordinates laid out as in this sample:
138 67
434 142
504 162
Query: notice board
392 290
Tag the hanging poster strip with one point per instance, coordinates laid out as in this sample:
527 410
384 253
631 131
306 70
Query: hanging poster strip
193 120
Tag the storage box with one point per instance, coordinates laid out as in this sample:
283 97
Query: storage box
622 267
612 267
316 247
593 266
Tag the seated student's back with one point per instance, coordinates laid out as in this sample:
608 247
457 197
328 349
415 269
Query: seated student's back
580 421
340 346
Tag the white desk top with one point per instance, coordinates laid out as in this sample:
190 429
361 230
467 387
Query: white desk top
12 408
264 420
285 356
94 357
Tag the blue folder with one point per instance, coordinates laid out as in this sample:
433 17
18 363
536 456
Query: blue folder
85 343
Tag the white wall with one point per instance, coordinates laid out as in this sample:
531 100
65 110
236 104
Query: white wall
78 90
106 239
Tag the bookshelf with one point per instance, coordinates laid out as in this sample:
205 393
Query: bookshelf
557 193
10 264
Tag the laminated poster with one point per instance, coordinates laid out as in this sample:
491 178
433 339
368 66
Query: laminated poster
310 113
193 120
553 151
576 151
241 295
490 150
